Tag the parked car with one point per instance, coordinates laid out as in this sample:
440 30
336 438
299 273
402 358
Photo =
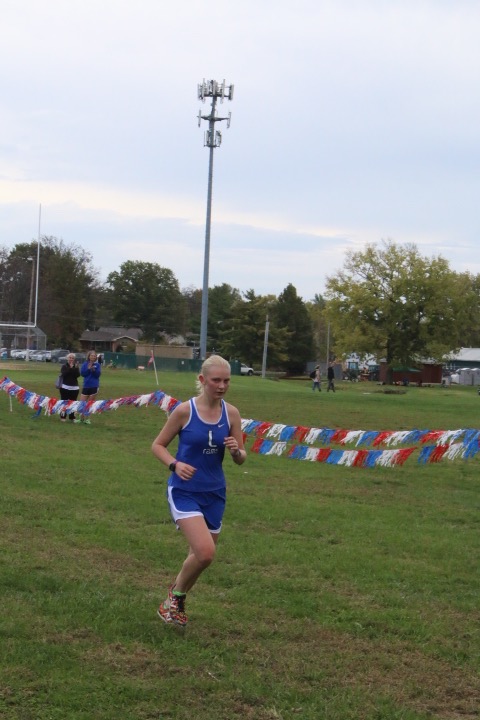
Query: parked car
33 355
79 358
22 354
245 370
56 354
39 356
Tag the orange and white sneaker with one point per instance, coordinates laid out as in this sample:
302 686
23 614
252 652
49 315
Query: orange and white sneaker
177 608
163 612
172 610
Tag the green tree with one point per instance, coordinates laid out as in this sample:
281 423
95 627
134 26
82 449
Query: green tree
222 300
15 283
68 287
322 338
193 311
291 314
147 295
244 339
390 301
469 291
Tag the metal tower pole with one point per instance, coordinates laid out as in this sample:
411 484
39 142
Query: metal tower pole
213 139
208 224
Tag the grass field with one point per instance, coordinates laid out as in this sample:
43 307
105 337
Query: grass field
337 593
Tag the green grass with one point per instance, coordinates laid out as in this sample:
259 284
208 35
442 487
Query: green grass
337 593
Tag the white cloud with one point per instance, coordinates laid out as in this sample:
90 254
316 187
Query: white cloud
351 122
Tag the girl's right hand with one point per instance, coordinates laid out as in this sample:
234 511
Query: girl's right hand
185 471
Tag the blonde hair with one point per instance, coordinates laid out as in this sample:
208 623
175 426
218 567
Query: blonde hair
90 352
210 362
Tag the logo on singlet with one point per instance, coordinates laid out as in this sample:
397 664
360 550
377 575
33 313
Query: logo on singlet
212 446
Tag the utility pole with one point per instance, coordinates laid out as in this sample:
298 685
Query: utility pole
212 139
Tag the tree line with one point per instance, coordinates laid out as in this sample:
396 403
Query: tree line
387 301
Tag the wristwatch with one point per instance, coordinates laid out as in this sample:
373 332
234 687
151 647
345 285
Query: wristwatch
172 466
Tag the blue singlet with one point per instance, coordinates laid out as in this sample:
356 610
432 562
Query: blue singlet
202 445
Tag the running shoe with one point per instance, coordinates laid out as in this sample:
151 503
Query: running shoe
172 610
177 609
163 612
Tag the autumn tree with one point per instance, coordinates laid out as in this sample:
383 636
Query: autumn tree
390 301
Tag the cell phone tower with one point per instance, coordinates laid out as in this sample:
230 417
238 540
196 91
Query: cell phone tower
212 139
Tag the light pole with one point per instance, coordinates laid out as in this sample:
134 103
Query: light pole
265 348
27 354
213 139
328 343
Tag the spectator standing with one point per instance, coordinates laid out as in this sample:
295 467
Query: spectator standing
69 389
90 371
331 377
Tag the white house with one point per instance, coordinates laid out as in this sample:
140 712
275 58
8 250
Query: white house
464 358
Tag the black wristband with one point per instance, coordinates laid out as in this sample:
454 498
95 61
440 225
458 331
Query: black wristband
172 466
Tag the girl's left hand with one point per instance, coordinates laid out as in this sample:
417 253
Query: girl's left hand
232 444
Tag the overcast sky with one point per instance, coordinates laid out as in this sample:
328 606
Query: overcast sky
353 121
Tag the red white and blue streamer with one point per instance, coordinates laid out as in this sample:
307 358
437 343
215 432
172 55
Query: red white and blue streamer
53 406
294 441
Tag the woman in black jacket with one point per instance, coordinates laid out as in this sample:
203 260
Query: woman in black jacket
70 373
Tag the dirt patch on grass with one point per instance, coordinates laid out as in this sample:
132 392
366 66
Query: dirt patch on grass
324 659
43 549
394 669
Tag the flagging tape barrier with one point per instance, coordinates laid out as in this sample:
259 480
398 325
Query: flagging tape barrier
371 448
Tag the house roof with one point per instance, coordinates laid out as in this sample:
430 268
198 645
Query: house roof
466 355
112 334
